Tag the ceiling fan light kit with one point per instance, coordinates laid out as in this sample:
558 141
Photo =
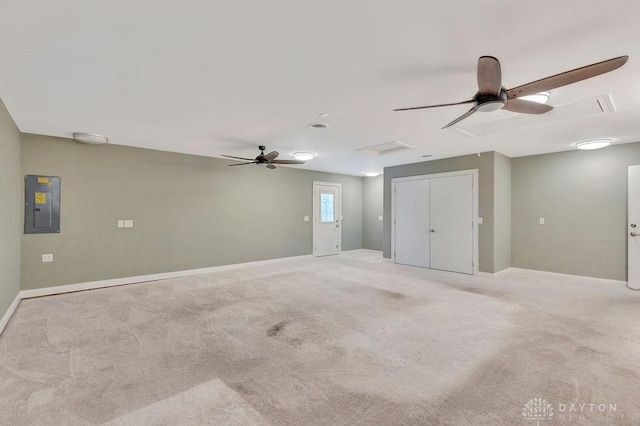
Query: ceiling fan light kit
593 144
528 98
540 98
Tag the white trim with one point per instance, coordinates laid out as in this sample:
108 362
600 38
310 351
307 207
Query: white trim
316 211
69 288
503 275
500 274
481 274
7 315
369 251
476 185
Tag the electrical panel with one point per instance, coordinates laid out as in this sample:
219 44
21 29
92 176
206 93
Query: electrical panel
41 204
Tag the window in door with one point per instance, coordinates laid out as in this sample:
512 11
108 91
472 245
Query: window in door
327 207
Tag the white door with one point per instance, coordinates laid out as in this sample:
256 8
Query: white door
326 219
633 229
412 222
451 229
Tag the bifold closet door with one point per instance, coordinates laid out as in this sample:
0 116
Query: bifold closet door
451 229
412 223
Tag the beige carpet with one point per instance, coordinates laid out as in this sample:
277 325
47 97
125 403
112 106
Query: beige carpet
345 340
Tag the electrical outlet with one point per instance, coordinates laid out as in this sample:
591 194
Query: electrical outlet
47 257
128 223
306 218
380 218
121 224
541 220
480 221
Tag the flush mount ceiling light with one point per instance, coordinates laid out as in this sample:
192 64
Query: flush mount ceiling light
91 138
593 144
303 156
323 115
541 98
371 174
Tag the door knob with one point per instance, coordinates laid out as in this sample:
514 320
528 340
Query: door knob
432 230
633 225
633 234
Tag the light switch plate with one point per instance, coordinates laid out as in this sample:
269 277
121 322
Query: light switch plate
121 224
47 257
128 223
541 221
306 218
480 221
380 218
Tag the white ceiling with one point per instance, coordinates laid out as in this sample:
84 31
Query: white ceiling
213 77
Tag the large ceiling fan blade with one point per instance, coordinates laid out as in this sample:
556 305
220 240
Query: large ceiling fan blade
527 107
237 158
287 162
489 75
270 166
271 156
243 164
435 106
462 117
567 77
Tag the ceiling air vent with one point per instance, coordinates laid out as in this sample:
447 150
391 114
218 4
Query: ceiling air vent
570 111
319 126
387 148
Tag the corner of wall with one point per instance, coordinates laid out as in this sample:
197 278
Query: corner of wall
11 213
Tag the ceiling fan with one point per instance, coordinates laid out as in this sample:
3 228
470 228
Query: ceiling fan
491 96
268 159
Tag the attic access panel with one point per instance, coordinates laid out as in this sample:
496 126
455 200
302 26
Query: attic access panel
41 204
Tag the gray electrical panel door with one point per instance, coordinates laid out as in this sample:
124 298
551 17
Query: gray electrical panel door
41 204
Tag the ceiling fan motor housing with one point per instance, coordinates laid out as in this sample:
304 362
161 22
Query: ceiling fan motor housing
487 102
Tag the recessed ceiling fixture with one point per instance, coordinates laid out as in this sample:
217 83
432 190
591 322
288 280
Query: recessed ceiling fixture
371 174
323 115
593 144
91 138
303 156
540 98
319 126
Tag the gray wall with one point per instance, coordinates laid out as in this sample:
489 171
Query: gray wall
485 166
188 212
502 212
583 197
372 207
10 209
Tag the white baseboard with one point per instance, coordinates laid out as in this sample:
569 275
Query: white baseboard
368 251
485 274
70 288
560 275
503 274
7 315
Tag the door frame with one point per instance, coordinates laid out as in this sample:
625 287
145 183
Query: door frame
632 187
473 173
316 213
